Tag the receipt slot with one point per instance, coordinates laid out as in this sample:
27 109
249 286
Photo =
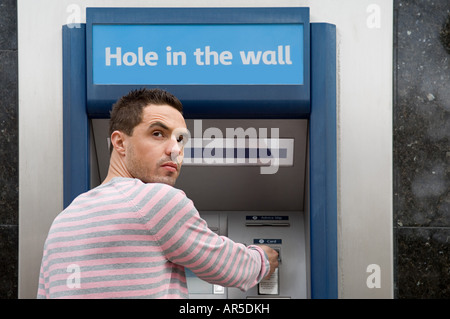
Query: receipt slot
258 86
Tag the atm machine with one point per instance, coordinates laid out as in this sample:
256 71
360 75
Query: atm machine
260 165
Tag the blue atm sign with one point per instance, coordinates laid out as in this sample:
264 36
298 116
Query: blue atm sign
194 54
220 62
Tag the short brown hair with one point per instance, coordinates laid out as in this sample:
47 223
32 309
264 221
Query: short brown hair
127 111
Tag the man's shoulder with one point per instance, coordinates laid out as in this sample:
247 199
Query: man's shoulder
126 183
154 186
127 188
137 189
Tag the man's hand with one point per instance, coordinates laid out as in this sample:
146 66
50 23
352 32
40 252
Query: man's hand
272 254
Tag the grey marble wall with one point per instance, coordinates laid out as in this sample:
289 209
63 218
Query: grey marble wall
9 154
421 148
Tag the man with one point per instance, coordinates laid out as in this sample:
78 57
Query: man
133 236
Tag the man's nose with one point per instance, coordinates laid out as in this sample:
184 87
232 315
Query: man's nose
174 149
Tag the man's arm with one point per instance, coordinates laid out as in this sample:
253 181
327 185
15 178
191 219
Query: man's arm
186 240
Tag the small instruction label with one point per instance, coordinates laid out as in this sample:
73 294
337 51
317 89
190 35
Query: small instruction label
266 218
265 241
269 286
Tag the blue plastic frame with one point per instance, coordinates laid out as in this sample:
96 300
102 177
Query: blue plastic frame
75 119
323 163
208 101
322 126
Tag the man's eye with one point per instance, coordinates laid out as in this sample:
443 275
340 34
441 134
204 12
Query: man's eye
183 138
157 134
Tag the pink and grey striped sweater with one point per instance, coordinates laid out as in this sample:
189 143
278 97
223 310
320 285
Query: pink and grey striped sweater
127 239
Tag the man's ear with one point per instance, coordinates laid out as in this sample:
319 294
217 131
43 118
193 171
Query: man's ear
118 142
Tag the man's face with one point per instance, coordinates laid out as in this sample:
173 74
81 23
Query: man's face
154 152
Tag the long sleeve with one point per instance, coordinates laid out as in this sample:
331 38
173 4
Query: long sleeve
186 240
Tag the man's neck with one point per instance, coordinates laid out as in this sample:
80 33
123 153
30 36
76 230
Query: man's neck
116 168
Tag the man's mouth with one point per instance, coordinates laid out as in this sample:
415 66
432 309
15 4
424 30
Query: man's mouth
170 166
